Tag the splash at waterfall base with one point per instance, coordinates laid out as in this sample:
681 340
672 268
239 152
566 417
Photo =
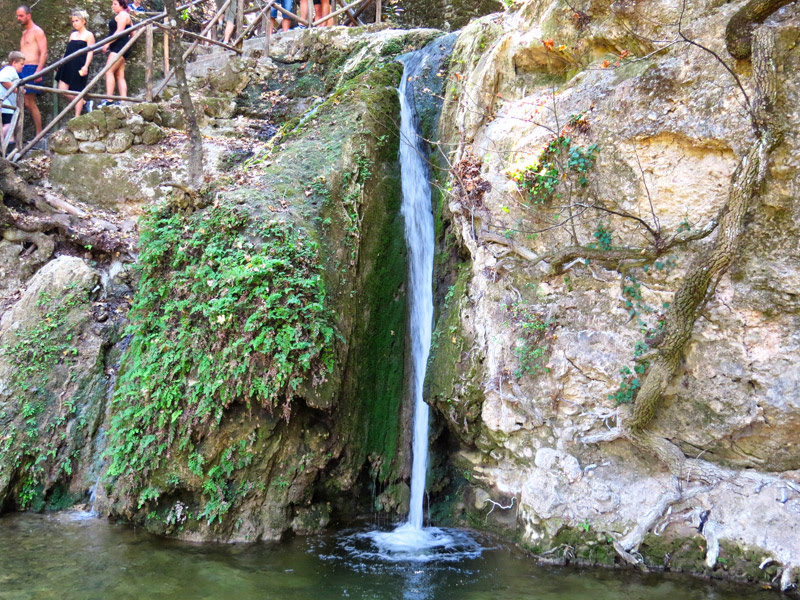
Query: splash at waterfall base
243 471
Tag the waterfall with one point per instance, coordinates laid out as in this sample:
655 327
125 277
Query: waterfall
418 217
410 540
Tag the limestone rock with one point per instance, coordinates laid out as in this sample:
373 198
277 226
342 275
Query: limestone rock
51 281
666 142
135 123
92 147
218 108
115 111
172 117
49 330
146 110
106 181
89 127
231 77
152 134
63 142
119 141
312 519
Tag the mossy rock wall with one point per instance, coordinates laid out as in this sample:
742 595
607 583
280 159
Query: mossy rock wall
53 383
256 469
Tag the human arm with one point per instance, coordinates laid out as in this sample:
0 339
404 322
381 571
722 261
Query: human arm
7 79
122 19
84 70
41 42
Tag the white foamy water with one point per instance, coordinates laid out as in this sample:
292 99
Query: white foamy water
419 239
411 541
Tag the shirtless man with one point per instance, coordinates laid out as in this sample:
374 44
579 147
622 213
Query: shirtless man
34 46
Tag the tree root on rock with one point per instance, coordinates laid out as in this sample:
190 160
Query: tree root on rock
49 219
739 32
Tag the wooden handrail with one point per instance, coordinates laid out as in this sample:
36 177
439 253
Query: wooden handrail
220 11
100 44
197 36
253 25
60 92
136 30
321 20
361 9
79 97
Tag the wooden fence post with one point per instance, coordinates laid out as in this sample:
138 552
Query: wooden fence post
148 63
239 20
166 46
377 11
20 121
267 30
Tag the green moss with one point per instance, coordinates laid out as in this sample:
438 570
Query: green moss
679 554
584 544
227 312
46 353
448 366
380 372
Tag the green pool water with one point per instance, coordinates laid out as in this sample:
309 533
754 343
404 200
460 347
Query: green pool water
69 556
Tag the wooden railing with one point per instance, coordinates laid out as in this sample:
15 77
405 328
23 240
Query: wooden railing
350 12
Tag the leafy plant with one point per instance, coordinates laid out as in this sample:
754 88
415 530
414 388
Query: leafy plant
539 181
226 312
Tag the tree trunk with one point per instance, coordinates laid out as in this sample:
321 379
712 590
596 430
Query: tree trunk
739 32
744 189
195 174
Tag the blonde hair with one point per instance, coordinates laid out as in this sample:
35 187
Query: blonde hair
15 56
81 14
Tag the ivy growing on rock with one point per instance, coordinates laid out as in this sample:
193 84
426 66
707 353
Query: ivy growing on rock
227 311
33 442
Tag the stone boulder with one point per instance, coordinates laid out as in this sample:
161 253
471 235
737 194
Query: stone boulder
171 117
119 141
52 387
232 77
92 147
152 134
63 142
89 127
147 110
217 108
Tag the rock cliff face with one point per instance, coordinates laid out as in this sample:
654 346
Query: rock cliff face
591 153
257 385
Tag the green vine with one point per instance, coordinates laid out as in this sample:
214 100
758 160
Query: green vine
226 312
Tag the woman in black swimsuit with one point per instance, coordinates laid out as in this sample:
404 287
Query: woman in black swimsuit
73 74
120 22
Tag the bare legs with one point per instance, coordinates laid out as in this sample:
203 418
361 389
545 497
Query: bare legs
62 85
320 10
228 31
116 76
30 104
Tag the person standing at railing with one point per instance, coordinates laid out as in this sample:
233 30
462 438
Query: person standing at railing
8 75
72 75
229 19
322 8
116 74
286 22
33 45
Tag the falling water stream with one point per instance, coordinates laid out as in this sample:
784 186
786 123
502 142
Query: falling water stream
411 540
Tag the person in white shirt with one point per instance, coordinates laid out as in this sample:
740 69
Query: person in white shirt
8 75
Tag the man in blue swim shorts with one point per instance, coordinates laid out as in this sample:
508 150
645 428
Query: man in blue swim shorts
285 21
33 45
